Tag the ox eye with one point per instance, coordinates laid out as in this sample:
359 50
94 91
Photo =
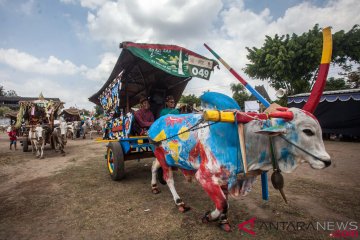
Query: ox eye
308 132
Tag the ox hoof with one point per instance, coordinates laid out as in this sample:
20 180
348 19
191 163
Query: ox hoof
225 226
42 157
183 208
155 190
224 223
207 218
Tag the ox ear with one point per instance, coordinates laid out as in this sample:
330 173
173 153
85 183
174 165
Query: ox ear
273 131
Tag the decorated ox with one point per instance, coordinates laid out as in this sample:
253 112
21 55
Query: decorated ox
225 153
37 138
211 151
59 136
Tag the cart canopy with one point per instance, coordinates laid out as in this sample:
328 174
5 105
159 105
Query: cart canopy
152 70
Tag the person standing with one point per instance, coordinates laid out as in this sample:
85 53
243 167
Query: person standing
13 138
170 106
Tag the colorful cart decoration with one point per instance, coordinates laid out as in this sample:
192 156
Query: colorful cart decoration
40 111
153 70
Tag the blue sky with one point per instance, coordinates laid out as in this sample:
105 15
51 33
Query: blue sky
67 48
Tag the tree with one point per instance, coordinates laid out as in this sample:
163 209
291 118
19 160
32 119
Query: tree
190 100
346 46
11 93
291 62
239 94
2 91
336 84
354 78
98 111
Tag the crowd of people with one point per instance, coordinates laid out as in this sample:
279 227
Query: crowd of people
143 119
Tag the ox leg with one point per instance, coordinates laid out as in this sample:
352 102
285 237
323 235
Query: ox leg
168 177
42 149
37 148
62 145
154 168
32 147
217 195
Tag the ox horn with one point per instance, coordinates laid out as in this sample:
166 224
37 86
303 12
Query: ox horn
320 83
287 115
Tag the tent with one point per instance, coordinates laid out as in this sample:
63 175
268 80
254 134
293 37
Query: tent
71 114
338 111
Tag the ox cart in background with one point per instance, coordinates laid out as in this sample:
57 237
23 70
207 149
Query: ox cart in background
73 119
143 70
32 113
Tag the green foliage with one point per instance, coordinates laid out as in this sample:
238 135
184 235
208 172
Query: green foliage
4 110
336 84
2 91
9 93
347 46
239 94
190 99
85 112
98 111
291 62
352 77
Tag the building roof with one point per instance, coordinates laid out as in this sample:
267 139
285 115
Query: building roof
329 96
18 98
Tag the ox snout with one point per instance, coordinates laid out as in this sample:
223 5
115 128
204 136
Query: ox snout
327 163
323 161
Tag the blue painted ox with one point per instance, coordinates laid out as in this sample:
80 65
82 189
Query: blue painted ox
211 152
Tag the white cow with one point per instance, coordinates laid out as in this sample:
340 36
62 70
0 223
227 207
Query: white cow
59 136
37 139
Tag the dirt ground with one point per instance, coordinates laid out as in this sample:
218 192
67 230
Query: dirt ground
73 197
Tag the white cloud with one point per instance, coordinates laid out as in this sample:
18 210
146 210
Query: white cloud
102 71
92 4
144 21
28 63
227 26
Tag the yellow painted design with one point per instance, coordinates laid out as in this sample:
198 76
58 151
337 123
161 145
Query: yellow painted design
161 136
174 147
140 141
327 46
219 116
184 135
109 153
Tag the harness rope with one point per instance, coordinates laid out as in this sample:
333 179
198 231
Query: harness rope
193 128
300 148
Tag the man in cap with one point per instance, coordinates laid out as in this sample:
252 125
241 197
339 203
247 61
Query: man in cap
170 106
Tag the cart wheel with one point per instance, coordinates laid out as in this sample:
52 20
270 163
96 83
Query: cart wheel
115 161
25 145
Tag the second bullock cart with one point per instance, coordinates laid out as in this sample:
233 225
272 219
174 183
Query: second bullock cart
34 112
